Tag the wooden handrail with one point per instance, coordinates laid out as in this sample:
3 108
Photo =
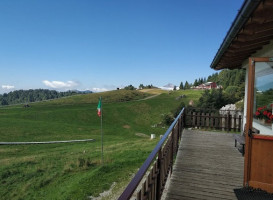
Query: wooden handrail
128 192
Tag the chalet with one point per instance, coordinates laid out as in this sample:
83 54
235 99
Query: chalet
207 86
249 45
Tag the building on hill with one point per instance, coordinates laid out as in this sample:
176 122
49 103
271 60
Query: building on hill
249 44
207 86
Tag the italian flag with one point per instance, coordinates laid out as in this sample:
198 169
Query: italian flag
99 108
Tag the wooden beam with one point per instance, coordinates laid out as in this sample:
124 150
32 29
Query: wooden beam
235 56
234 49
230 63
263 15
239 53
243 37
252 28
240 44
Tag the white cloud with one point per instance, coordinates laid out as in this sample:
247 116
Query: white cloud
99 90
8 87
61 84
103 88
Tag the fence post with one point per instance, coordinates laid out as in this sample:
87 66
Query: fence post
193 119
198 119
212 120
239 123
207 120
229 121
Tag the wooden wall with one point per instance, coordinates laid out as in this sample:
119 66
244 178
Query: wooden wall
261 167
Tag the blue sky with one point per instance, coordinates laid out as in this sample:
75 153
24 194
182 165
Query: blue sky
101 45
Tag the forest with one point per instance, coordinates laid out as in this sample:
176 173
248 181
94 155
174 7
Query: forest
27 96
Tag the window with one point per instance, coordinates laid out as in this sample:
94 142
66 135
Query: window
263 98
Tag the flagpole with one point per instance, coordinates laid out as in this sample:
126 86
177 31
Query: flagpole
101 133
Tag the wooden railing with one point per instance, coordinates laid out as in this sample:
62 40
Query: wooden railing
207 118
151 178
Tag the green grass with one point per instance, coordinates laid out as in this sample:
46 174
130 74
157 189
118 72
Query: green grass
74 171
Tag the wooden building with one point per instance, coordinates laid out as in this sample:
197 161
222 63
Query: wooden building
207 86
249 45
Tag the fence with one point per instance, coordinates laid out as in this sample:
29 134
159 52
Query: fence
207 118
155 170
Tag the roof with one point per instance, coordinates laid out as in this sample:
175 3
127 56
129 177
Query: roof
249 32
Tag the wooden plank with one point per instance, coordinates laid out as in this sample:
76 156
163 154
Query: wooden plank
207 119
207 167
212 119
216 122
198 119
203 120
193 119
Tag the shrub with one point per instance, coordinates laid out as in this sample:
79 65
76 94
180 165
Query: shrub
168 119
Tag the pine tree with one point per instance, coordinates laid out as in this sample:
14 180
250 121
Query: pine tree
187 86
181 87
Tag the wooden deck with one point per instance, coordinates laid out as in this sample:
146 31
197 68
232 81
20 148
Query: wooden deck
208 166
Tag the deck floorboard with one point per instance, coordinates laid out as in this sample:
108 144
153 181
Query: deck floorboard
207 166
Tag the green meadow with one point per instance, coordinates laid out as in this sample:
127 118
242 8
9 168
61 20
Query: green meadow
74 170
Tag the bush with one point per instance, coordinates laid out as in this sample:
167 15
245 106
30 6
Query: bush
168 119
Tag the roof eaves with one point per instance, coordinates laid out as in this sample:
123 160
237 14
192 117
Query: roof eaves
243 15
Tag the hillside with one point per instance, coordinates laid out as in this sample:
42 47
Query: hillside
74 171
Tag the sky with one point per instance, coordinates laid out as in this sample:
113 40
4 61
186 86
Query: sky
100 45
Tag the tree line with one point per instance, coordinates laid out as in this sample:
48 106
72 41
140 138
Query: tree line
27 96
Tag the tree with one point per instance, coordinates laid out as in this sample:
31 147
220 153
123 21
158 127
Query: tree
213 99
187 86
130 87
4 102
141 86
181 87
174 87
195 83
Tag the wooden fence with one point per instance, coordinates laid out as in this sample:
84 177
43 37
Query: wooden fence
214 119
151 178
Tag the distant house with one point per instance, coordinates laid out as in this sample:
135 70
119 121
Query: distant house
207 86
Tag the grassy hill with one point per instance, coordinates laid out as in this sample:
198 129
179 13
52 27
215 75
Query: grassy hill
74 171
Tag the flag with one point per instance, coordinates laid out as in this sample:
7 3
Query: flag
99 108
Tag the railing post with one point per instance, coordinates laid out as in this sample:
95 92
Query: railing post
229 122
240 123
158 185
179 132
172 150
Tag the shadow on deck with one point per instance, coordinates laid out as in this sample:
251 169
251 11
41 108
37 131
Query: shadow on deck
207 167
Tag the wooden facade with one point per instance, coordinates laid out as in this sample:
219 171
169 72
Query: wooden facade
249 40
258 168
261 163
